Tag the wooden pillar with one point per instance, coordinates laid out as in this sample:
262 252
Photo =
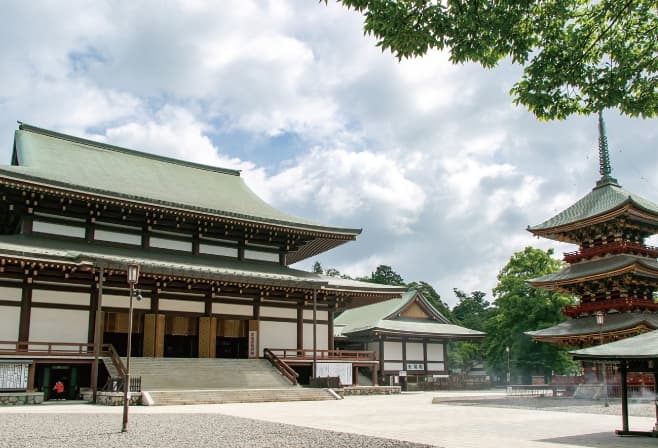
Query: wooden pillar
374 375
207 337
355 375
381 356
330 327
154 332
91 327
300 325
31 373
26 310
624 395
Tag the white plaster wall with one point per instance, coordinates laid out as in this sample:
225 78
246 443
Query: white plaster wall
224 251
269 311
435 352
13 294
115 301
320 315
61 297
233 309
58 229
10 317
415 351
392 350
436 366
277 335
251 254
321 335
395 366
166 243
117 237
181 305
54 325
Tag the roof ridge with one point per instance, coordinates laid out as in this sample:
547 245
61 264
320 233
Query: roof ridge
37 130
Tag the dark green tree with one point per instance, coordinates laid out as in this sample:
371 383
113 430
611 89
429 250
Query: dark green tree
578 56
519 307
472 311
317 268
385 275
433 297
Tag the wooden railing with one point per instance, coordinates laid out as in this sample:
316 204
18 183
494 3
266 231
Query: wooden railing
46 348
324 355
619 247
284 368
70 350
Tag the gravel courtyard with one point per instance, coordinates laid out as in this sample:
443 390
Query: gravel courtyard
438 419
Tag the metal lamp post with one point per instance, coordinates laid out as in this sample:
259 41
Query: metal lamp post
508 371
132 278
600 320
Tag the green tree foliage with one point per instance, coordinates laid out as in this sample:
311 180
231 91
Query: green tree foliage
317 268
578 56
433 297
385 275
518 307
472 311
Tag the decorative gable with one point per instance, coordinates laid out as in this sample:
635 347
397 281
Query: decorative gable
414 311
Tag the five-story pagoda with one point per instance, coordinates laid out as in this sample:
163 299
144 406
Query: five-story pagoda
613 272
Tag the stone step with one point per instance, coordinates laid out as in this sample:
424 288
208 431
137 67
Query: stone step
174 397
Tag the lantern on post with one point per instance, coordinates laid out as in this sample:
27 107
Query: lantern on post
132 277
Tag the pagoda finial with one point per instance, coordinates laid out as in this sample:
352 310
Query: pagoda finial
604 156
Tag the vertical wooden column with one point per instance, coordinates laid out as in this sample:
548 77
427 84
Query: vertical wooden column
381 356
207 336
26 310
330 326
154 332
624 395
355 375
374 375
300 325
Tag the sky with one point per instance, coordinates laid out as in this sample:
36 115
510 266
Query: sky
432 160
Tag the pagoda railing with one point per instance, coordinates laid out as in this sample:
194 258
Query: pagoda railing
620 305
618 247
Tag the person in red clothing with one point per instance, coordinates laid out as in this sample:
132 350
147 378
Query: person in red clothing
59 390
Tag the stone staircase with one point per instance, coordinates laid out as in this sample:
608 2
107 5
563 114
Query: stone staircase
109 365
205 380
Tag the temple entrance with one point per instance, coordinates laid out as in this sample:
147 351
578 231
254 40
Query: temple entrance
115 332
181 339
232 340
72 376
232 348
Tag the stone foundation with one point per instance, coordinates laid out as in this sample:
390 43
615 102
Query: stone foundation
116 398
20 398
371 390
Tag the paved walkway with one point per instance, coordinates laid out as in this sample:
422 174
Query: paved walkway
409 417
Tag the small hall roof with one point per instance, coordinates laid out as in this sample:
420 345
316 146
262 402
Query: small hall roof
385 317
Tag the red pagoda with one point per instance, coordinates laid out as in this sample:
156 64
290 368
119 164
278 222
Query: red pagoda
613 273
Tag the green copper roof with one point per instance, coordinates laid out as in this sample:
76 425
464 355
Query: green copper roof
383 317
601 200
587 325
638 347
168 263
612 263
60 160
607 196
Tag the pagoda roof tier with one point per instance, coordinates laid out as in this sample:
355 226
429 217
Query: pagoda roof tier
586 331
388 317
71 166
30 254
606 202
600 268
